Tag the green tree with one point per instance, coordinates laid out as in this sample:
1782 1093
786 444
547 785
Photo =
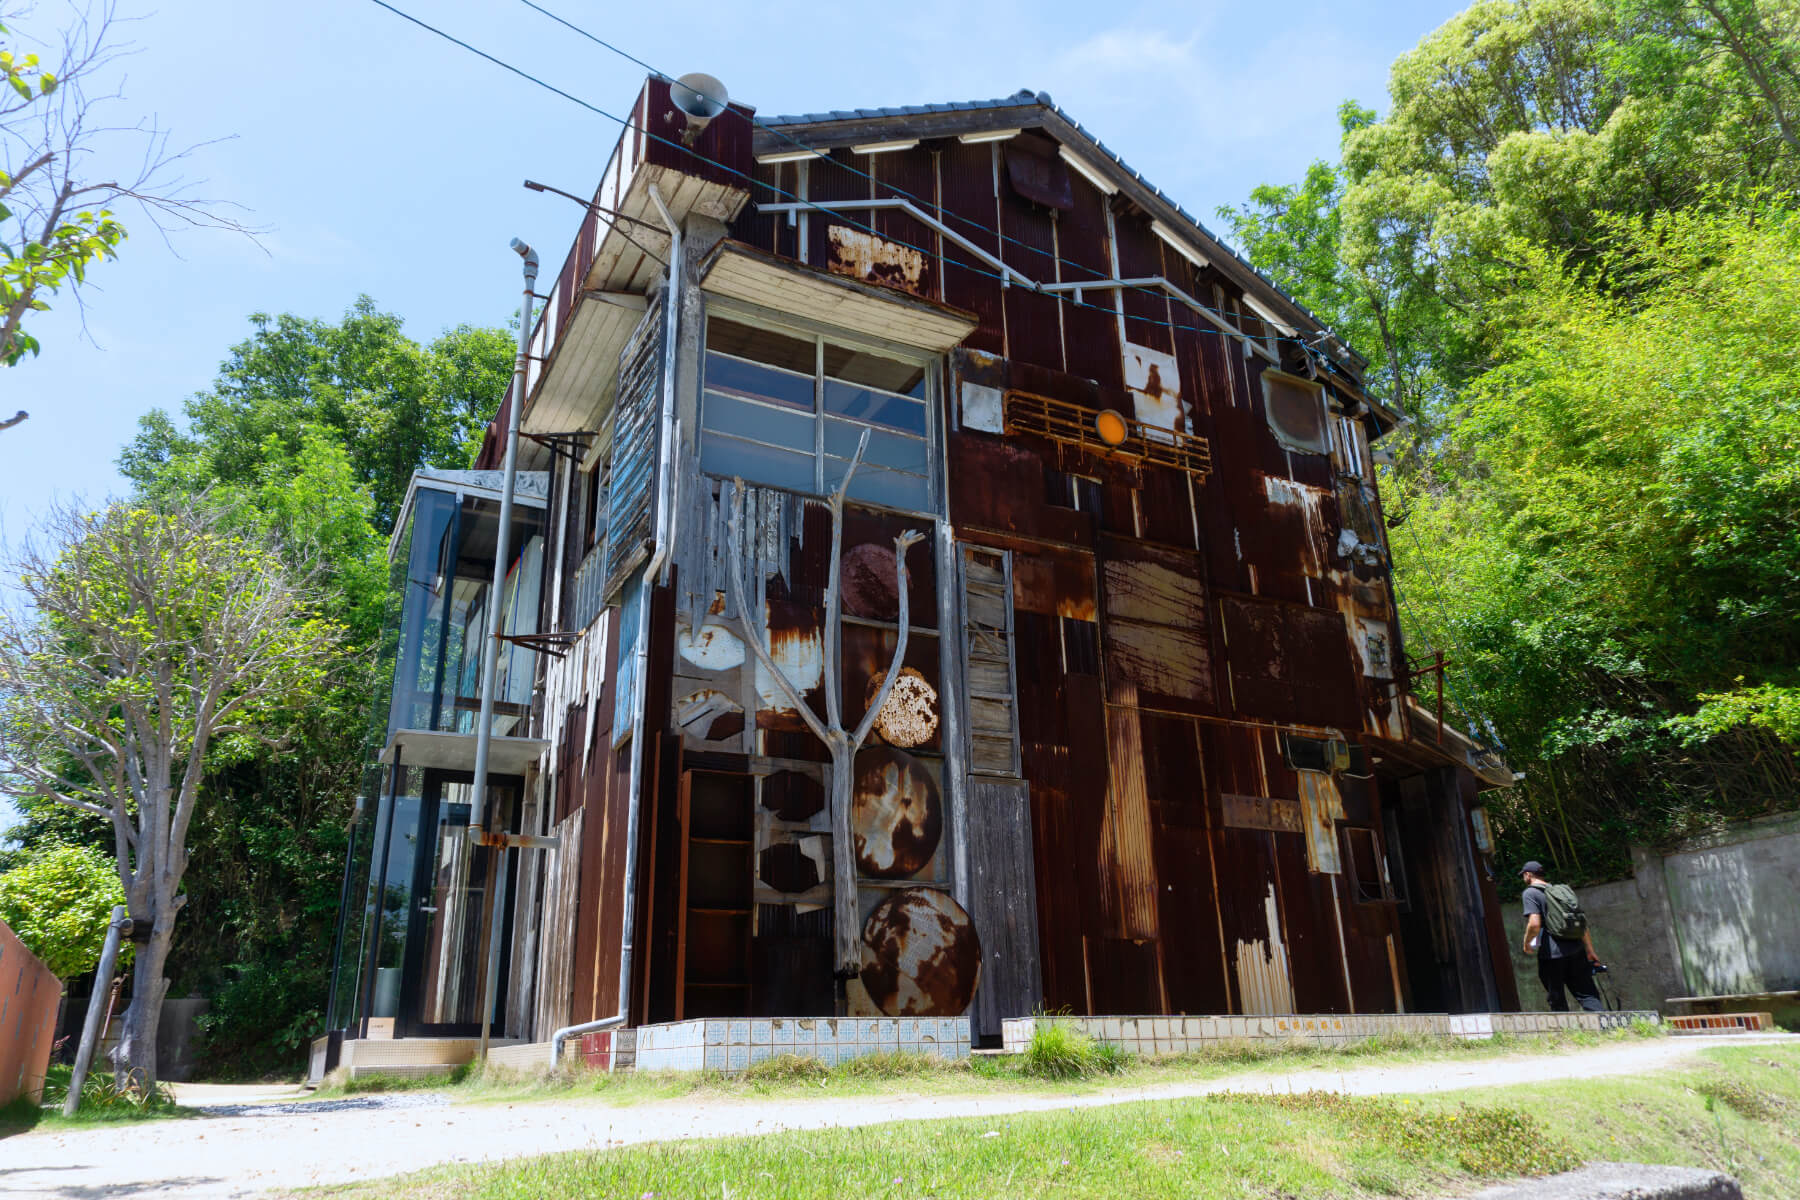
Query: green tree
1609 540
390 403
59 902
1524 123
159 641
311 433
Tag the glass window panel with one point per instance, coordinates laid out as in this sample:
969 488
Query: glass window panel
885 449
878 485
875 370
779 426
739 378
776 349
877 408
729 456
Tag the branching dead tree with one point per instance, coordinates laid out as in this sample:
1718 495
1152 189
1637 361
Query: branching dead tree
152 636
841 743
66 166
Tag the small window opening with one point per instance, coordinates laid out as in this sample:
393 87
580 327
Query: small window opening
1296 412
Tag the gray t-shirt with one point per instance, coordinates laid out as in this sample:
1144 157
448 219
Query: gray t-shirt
1537 905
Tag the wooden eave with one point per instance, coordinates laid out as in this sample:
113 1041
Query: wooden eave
746 273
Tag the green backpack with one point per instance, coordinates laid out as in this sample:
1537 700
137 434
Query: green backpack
1562 911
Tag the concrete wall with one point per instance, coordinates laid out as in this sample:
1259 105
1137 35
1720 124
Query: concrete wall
1712 916
29 994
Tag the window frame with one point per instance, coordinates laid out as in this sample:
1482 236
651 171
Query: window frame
1285 439
820 334
1383 888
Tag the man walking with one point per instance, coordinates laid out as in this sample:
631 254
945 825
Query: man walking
1557 929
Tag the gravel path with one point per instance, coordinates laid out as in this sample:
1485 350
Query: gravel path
250 1148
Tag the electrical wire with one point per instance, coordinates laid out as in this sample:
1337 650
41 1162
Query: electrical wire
823 207
896 190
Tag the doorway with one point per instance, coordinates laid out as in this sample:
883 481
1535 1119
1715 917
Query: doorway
440 994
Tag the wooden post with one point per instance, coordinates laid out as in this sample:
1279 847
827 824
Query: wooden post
90 1029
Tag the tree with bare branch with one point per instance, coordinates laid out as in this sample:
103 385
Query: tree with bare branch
66 165
153 636
841 743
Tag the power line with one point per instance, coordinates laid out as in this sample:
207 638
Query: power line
822 208
852 169
1114 312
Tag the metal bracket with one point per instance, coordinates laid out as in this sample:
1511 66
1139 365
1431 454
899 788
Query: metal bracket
556 643
571 445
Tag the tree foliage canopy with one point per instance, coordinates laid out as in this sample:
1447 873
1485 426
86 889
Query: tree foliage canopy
1569 249
59 901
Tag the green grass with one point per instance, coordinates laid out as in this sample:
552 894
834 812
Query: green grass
1059 1052
1299 1146
102 1103
981 1075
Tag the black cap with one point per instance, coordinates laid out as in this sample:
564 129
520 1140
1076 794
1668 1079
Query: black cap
1534 867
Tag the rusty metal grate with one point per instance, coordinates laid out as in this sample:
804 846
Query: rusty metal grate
1073 425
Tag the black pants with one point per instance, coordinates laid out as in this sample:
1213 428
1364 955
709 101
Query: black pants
1574 972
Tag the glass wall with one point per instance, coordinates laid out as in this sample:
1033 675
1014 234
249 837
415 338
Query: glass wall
445 574
409 928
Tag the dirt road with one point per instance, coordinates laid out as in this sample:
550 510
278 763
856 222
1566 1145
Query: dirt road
244 1149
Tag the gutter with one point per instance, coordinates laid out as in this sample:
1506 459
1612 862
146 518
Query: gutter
658 562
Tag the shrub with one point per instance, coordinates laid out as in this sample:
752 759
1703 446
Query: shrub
1061 1051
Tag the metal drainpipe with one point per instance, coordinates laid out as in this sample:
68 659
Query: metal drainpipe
658 558
490 657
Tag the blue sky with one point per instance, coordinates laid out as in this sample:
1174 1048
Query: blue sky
382 160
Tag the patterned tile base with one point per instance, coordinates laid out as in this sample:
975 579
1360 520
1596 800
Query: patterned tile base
1756 1022
734 1044
1176 1035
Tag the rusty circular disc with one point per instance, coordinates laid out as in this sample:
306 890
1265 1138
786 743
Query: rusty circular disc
869 583
909 716
921 956
895 816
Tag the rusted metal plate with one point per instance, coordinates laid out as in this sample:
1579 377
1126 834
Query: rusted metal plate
1261 812
872 259
1127 856
909 713
1290 663
896 815
1038 173
966 186
921 955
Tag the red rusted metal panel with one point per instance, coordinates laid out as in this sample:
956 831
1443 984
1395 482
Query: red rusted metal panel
1289 663
1090 328
720 153
910 175
1033 324
966 184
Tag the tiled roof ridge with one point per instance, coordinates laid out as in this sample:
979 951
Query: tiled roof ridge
1026 96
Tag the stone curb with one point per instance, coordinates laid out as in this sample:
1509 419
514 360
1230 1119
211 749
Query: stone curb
1621 1181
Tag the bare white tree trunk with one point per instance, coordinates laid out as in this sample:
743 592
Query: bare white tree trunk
842 744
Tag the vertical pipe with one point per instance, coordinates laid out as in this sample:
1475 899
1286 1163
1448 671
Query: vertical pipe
490 656
90 1028
658 557
490 653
